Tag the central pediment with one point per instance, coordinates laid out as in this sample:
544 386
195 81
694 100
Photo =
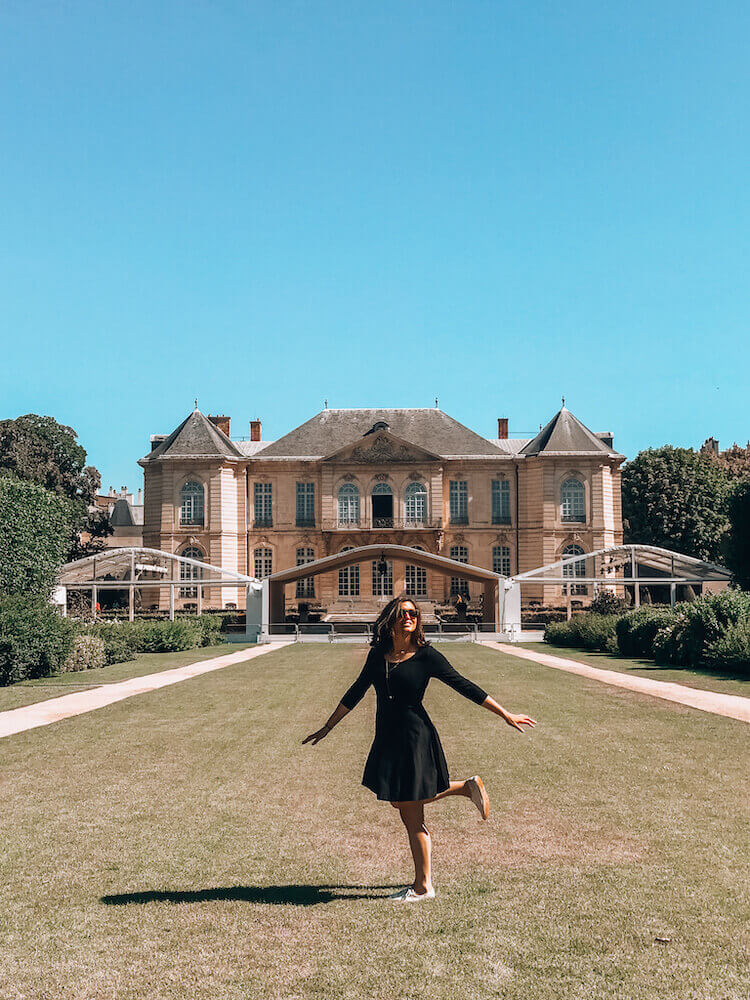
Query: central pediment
380 447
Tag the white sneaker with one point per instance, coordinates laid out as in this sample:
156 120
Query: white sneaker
408 895
478 796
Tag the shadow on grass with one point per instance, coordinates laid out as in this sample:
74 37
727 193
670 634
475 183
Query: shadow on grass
295 895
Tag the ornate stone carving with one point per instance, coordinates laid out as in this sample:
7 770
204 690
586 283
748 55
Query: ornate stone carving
459 538
416 477
381 477
349 477
501 536
383 451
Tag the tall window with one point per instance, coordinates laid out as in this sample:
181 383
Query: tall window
263 563
348 504
382 586
573 500
263 505
349 578
501 559
305 586
458 585
191 504
415 580
573 570
500 501
305 505
458 494
188 572
415 505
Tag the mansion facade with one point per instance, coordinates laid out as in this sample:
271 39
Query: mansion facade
351 477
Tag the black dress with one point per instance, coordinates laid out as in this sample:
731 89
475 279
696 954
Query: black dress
406 761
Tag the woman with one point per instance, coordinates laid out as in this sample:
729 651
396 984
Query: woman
406 765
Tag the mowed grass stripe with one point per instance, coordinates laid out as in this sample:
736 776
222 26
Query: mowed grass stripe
184 843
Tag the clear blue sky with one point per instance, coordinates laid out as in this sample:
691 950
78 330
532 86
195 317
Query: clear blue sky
267 204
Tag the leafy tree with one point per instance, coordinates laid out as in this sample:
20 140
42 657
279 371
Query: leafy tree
40 450
34 537
738 538
677 499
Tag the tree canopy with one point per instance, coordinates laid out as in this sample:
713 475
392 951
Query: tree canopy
34 537
738 538
40 450
676 498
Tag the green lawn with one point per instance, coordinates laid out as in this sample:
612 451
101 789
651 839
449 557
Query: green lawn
184 844
43 688
704 680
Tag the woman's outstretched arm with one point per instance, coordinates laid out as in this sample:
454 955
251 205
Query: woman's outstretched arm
517 721
338 714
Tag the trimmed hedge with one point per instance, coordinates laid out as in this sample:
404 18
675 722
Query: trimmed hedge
637 630
34 640
698 626
732 650
590 631
87 654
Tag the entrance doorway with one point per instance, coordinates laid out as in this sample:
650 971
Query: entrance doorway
382 506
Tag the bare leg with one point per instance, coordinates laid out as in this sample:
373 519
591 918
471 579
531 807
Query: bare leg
412 816
455 788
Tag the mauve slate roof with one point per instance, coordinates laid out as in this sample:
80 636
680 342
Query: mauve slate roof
566 435
196 437
331 430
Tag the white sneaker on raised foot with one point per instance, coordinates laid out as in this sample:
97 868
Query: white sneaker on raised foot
478 796
408 895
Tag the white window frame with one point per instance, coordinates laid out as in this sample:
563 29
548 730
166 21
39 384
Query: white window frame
306 584
501 559
348 505
573 501
415 505
188 572
192 504
501 501
458 501
349 578
262 562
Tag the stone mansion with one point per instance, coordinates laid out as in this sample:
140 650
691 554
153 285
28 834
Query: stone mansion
351 477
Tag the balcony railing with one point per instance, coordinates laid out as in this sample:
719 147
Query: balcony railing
375 523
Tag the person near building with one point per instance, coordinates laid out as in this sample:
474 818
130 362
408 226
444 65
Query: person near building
406 764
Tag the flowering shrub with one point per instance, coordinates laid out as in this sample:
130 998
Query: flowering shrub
87 654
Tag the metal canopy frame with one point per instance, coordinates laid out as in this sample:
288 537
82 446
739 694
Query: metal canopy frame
126 563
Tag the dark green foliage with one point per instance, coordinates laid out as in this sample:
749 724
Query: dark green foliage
35 530
607 603
698 625
587 631
738 538
732 650
677 499
210 628
637 630
39 450
34 640
168 637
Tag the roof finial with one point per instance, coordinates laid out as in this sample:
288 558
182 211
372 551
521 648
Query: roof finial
196 402
563 402
325 404
436 402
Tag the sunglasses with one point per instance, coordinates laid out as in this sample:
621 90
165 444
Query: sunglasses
407 613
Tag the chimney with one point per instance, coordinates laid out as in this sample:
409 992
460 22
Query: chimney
221 422
502 428
123 491
255 430
111 491
140 497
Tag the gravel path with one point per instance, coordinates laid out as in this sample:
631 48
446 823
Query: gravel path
732 705
17 720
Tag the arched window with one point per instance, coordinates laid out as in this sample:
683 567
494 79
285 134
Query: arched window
573 570
382 506
415 505
188 572
573 500
458 585
263 561
305 586
191 504
348 504
349 578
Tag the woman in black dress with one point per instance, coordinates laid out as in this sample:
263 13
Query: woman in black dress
406 765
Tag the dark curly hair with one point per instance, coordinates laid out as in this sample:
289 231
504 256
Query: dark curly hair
382 630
